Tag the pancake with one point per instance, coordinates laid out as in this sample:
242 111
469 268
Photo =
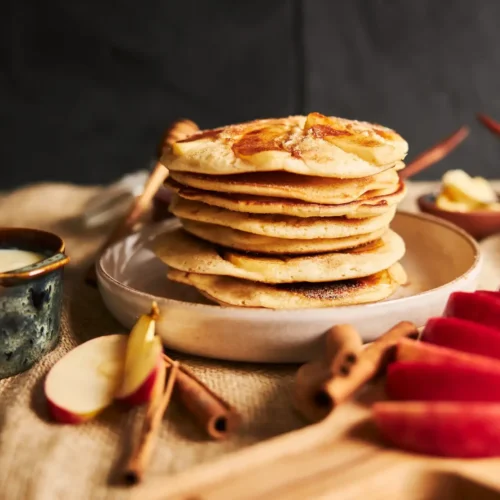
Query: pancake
280 226
368 205
314 145
185 252
248 242
320 190
229 291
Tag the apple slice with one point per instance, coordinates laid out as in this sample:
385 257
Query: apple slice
461 430
414 350
449 381
84 381
492 293
142 362
463 335
478 307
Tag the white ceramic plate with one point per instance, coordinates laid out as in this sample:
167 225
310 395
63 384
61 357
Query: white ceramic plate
440 259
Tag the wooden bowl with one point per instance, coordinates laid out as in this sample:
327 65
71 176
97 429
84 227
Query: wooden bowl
479 224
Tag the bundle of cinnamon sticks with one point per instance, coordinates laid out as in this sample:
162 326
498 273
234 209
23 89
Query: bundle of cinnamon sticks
347 365
216 416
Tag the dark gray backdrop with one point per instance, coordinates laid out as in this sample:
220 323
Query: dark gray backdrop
87 87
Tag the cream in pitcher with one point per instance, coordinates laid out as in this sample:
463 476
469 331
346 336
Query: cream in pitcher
12 259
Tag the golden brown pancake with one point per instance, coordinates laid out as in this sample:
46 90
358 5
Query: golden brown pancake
230 291
188 253
368 205
280 226
319 190
313 145
248 242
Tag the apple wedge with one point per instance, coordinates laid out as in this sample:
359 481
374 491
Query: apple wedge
142 362
448 381
478 307
460 430
492 293
414 350
463 335
84 382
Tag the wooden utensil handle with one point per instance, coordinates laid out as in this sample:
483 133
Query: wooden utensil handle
434 154
180 129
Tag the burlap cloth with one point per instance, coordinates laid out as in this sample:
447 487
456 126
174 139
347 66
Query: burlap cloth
42 460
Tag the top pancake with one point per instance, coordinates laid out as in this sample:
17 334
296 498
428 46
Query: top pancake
322 190
314 145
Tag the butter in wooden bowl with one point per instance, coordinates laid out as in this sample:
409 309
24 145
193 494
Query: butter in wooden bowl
31 268
469 202
462 193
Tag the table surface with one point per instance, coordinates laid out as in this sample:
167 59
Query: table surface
43 460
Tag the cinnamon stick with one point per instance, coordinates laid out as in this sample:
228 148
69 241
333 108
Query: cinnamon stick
177 131
435 154
215 415
489 123
317 391
343 344
309 379
372 360
156 409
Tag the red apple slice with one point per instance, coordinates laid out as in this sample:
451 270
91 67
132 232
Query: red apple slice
461 430
413 350
463 335
492 293
143 360
478 307
423 381
84 381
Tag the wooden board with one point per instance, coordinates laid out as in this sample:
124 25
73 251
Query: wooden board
341 457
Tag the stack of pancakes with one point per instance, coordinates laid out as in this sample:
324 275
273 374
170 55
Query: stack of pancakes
287 213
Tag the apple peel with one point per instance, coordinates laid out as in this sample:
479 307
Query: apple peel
491 293
447 381
414 350
480 308
462 335
460 430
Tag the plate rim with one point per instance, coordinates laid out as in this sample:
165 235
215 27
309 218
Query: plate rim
258 313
